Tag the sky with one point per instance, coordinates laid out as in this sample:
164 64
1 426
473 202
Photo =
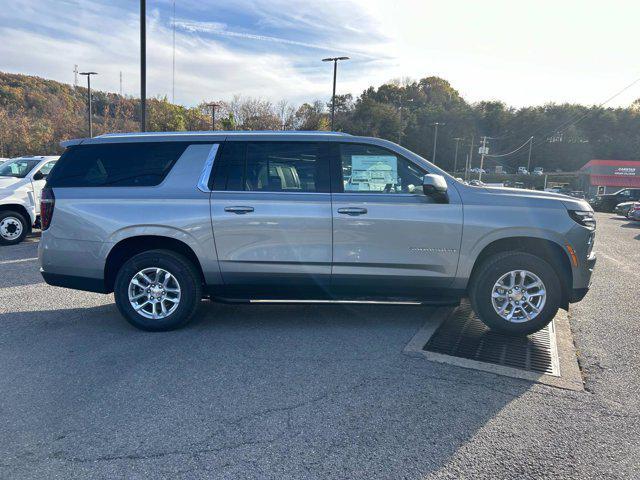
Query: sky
521 52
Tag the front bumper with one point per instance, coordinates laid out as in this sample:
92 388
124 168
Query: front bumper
589 266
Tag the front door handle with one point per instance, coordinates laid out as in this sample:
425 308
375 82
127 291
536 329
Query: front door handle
352 211
238 210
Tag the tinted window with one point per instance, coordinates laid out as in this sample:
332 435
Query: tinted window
115 165
18 168
272 167
370 169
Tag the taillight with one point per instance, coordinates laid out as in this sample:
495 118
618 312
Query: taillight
47 202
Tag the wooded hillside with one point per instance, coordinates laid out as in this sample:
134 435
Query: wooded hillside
36 114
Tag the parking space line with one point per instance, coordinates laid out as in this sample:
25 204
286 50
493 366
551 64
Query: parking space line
20 260
620 264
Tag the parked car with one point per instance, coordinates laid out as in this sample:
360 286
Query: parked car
21 181
164 219
523 171
538 171
634 212
478 170
623 208
607 202
577 194
476 183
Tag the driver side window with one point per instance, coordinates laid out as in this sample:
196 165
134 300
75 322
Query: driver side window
46 168
371 169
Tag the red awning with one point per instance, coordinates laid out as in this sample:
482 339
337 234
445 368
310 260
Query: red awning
615 181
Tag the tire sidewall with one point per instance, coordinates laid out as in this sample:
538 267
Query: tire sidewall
495 268
25 227
180 268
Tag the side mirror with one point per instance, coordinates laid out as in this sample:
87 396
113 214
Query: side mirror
434 186
39 176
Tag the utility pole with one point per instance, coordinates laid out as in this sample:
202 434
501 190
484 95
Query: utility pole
75 76
143 65
335 61
466 171
120 82
435 139
455 158
484 151
173 74
400 129
529 159
213 114
88 75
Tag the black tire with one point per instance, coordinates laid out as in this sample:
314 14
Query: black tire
187 276
14 220
489 273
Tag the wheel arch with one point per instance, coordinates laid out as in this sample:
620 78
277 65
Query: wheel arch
21 209
131 246
548 250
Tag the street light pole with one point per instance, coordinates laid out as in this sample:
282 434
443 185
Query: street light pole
88 75
213 114
143 65
435 139
529 159
335 61
455 158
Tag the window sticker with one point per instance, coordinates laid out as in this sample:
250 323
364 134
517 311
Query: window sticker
372 173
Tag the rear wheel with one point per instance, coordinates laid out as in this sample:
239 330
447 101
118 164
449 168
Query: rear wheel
158 290
13 228
515 293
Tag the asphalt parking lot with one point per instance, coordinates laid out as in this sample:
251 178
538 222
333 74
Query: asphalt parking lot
280 391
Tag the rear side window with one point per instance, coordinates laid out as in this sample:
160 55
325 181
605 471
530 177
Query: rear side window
272 167
116 165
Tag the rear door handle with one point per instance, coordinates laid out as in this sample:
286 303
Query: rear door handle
238 210
352 211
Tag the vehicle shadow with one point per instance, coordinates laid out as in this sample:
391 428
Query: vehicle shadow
631 224
290 390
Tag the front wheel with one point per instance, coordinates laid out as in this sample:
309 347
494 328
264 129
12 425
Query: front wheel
515 293
13 228
158 290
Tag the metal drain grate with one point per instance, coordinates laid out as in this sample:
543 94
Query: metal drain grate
463 335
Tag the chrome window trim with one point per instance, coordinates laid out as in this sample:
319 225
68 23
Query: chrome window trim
386 195
264 192
207 169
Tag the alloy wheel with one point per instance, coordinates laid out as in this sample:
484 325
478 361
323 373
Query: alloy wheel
154 293
518 296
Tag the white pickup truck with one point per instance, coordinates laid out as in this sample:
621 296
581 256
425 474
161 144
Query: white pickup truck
21 182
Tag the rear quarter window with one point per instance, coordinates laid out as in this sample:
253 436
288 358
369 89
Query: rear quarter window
116 165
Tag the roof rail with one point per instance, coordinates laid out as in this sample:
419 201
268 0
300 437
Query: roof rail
224 132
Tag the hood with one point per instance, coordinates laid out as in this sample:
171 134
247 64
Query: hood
534 196
10 182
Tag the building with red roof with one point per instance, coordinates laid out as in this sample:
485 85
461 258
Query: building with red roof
609 176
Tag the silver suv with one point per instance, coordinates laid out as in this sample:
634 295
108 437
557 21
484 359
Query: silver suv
163 220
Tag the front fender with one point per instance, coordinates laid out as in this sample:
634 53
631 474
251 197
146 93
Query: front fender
22 198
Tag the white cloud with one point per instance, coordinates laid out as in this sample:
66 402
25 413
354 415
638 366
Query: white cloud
520 52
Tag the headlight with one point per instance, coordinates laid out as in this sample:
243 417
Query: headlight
584 218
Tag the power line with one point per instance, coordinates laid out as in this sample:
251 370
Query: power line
580 116
511 152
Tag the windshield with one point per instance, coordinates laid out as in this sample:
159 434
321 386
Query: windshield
18 168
